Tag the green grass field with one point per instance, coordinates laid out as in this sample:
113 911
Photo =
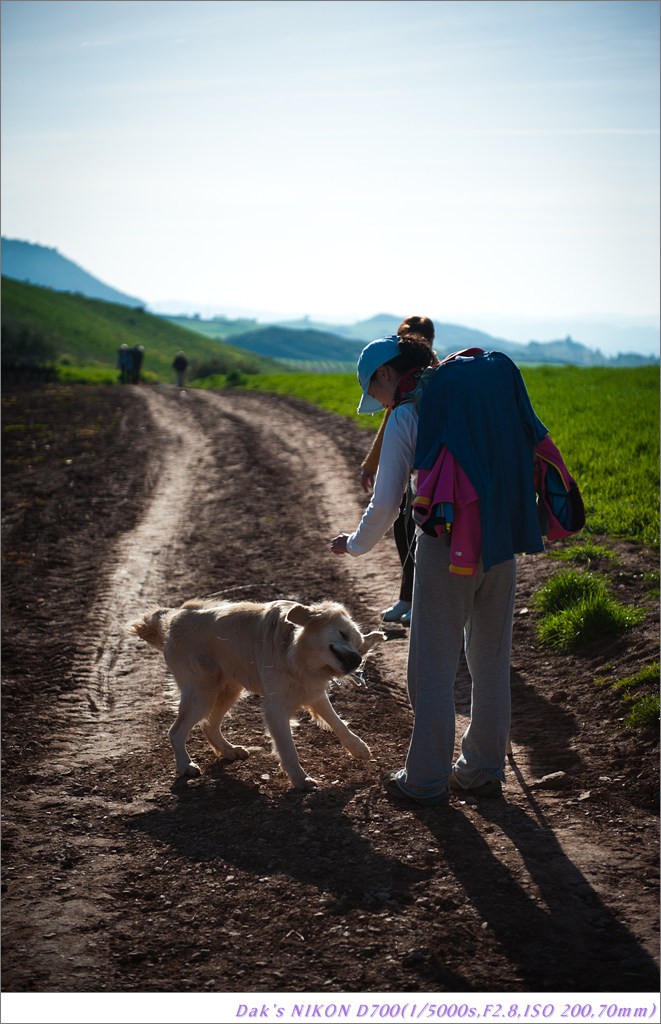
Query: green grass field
604 421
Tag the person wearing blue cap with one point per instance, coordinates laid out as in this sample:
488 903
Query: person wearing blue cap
389 372
422 329
474 406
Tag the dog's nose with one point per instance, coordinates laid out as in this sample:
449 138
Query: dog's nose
348 658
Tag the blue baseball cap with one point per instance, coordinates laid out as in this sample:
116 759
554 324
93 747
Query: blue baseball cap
371 358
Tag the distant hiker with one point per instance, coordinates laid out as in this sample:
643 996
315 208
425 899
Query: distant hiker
180 365
125 363
138 356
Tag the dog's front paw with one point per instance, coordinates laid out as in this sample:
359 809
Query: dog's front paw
192 771
307 785
360 750
237 754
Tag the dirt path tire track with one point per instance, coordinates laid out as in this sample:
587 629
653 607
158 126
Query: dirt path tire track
113 870
136 577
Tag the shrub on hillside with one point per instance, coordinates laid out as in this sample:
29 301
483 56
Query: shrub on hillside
27 355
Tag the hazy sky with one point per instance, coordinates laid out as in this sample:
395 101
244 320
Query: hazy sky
341 159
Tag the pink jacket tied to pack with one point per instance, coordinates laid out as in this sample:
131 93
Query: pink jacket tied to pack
446 496
446 504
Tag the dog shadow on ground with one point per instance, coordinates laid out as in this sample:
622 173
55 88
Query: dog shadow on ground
550 922
306 836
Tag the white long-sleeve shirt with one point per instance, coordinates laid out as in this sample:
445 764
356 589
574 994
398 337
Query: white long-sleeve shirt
392 478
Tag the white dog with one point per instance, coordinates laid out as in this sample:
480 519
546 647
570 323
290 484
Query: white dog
285 652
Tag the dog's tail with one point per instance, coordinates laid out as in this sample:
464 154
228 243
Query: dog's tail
152 627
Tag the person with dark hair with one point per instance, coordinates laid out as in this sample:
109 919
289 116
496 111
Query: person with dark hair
467 424
180 365
418 328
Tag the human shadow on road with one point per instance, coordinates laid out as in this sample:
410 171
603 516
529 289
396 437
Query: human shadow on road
551 924
534 720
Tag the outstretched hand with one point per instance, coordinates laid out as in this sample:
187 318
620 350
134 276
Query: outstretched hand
339 544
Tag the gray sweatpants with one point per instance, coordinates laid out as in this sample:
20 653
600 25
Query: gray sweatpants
450 611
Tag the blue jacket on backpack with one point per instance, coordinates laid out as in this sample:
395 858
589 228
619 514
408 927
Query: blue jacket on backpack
478 408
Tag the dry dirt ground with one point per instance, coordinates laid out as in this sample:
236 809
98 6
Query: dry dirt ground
118 879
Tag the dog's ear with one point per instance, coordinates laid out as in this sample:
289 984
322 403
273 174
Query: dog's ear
371 640
300 615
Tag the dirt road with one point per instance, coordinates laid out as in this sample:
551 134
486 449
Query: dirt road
118 879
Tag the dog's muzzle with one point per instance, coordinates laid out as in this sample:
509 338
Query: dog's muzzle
347 657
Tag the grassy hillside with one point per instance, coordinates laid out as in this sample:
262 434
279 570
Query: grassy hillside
605 422
285 343
291 344
77 331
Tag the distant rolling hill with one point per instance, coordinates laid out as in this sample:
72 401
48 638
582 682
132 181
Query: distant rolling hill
78 330
291 344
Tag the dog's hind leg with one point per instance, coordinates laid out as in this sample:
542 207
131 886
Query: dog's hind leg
192 709
277 721
212 726
322 708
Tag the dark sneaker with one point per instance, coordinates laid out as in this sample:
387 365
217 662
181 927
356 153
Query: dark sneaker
393 789
490 789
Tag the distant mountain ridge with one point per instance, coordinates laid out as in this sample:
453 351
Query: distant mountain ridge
295 341
37 264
